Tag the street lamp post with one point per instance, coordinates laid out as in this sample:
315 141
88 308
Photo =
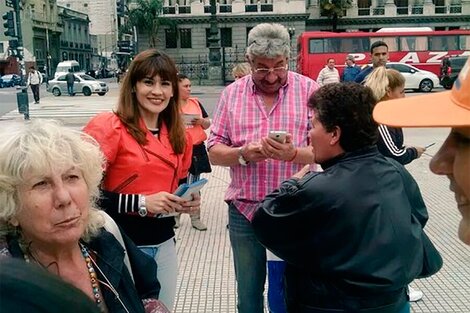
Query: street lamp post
214 46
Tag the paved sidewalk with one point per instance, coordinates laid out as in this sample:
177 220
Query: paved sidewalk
206 280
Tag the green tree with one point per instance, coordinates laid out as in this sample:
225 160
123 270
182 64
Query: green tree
147 17
334 10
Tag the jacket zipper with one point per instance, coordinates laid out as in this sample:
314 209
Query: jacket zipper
125 183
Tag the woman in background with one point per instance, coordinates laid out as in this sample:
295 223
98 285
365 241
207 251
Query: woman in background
240 70
388 84
196 122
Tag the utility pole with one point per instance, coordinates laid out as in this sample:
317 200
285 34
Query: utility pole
11 18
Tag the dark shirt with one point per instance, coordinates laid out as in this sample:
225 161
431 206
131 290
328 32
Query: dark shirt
361 77
70 78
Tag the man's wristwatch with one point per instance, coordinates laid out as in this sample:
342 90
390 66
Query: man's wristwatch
142 208
241 159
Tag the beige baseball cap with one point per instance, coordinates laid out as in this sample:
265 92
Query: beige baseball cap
443 109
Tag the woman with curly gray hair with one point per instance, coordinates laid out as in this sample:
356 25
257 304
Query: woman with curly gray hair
49 177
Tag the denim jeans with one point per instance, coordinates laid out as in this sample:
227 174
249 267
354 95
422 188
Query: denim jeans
70 89
276 298
164 255
250 263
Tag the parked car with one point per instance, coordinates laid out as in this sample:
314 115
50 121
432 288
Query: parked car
10 80
450 69
415 78
83 84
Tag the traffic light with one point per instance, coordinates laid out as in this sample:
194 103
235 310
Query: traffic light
120 7
13 43
9 24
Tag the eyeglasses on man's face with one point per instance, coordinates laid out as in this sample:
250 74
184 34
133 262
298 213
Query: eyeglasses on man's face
262 71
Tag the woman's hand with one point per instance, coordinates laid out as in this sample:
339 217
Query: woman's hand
204 122
191 206
163 203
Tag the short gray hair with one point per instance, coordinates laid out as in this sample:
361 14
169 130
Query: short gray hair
268 40
39 147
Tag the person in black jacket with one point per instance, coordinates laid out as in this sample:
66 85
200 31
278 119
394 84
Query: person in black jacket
387 84
352 235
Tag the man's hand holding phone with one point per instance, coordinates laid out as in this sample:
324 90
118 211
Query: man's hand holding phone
278 145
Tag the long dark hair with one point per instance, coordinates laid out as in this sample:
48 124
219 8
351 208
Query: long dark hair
149 63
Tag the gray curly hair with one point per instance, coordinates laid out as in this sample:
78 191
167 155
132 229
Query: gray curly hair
268 40
38 147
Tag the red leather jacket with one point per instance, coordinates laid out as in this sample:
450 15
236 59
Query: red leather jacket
133 168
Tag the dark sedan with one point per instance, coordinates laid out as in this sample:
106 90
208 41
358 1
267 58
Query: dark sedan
10 80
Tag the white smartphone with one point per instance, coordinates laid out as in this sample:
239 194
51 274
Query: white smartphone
278 135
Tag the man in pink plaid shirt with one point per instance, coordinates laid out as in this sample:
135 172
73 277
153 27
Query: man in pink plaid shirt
271 99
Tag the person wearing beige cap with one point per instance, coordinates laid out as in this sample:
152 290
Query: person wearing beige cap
445 109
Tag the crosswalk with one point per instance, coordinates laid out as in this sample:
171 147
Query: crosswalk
70 110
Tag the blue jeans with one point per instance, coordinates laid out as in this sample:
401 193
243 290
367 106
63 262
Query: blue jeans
164 255
276 298
249 257
70 89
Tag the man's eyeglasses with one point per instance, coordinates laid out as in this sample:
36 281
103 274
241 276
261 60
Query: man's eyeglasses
279 71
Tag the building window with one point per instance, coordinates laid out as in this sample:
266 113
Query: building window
85 5
226 37
402 7
2 49
185 38
364 7
247 33
170 38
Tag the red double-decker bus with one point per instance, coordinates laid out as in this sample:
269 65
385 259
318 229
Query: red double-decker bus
421 48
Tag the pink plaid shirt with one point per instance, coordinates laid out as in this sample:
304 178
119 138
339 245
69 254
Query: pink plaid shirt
241 118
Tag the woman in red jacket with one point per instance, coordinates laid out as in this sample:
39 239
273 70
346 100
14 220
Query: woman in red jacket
147 152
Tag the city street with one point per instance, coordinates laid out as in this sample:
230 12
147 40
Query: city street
206 280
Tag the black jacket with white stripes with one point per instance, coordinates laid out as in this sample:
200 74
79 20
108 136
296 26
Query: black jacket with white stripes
390 144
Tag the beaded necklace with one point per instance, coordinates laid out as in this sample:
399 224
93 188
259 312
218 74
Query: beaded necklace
93 278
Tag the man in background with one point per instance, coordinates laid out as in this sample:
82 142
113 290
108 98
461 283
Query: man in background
379 55
329 74
351 70
34 80
70 78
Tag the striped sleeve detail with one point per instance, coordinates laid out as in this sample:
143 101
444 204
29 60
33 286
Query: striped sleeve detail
389 143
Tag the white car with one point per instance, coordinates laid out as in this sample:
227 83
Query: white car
416 79
83 84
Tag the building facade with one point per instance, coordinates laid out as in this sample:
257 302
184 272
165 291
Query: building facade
75 41
103 24
189 46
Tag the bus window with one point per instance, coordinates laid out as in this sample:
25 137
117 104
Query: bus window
413 43
392 42
354 45
464 42
333 45
315 46
443 43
